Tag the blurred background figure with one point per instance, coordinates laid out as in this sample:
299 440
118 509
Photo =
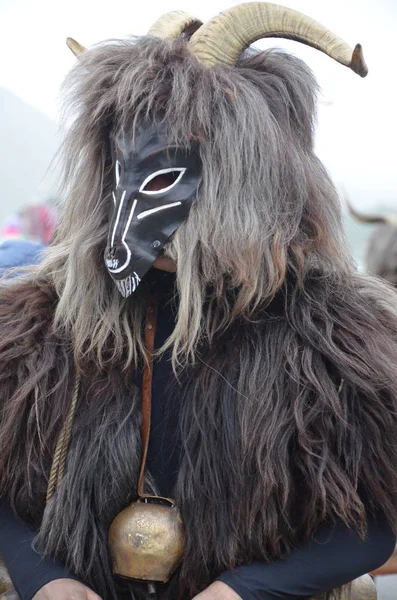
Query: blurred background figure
380 259
25 235
37 222
381 252
11 228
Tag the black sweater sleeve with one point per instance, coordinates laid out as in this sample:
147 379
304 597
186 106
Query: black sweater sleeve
335 557
28 570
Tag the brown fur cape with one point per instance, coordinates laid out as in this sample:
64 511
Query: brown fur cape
272 448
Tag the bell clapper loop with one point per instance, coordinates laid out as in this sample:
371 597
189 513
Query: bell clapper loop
151 588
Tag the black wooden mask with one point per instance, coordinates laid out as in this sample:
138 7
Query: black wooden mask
144 217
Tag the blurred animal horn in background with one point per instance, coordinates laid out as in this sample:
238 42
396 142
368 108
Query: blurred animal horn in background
391 219
75 47
226 36
173 24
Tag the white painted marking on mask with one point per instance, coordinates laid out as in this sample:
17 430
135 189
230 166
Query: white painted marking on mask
117 218
151 211
128 259
128 285
117 172
129 219
112 263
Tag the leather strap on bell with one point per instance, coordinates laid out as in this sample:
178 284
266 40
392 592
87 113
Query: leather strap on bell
150 332
146 540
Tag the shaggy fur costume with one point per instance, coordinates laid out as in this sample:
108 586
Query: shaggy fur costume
286 356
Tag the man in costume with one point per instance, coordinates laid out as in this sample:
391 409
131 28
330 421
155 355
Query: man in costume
200 270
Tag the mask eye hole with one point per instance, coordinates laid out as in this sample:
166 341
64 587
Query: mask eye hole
162 181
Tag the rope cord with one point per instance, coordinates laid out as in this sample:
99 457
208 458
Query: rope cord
61 449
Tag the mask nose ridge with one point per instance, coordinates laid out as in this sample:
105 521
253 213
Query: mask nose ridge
117 257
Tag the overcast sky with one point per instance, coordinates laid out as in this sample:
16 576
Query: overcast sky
357 119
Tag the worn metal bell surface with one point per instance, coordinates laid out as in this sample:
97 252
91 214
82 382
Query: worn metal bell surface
146 540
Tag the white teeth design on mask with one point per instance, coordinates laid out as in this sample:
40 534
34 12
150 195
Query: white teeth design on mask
112 263
128 285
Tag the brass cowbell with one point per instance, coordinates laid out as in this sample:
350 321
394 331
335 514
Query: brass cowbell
146 540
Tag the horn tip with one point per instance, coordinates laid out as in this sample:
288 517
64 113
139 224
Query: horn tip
70 42
358 64
74 46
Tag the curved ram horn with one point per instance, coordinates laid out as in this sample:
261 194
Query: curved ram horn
173 24
391 219
75 47
226 36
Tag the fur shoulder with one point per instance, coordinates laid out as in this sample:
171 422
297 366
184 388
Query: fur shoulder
33 365
26 314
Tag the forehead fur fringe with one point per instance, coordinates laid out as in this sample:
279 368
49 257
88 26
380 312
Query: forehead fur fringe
264 201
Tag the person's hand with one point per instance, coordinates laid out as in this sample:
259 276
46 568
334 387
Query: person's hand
218 591
65 589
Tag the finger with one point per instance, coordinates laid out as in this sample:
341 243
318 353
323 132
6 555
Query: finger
92 595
